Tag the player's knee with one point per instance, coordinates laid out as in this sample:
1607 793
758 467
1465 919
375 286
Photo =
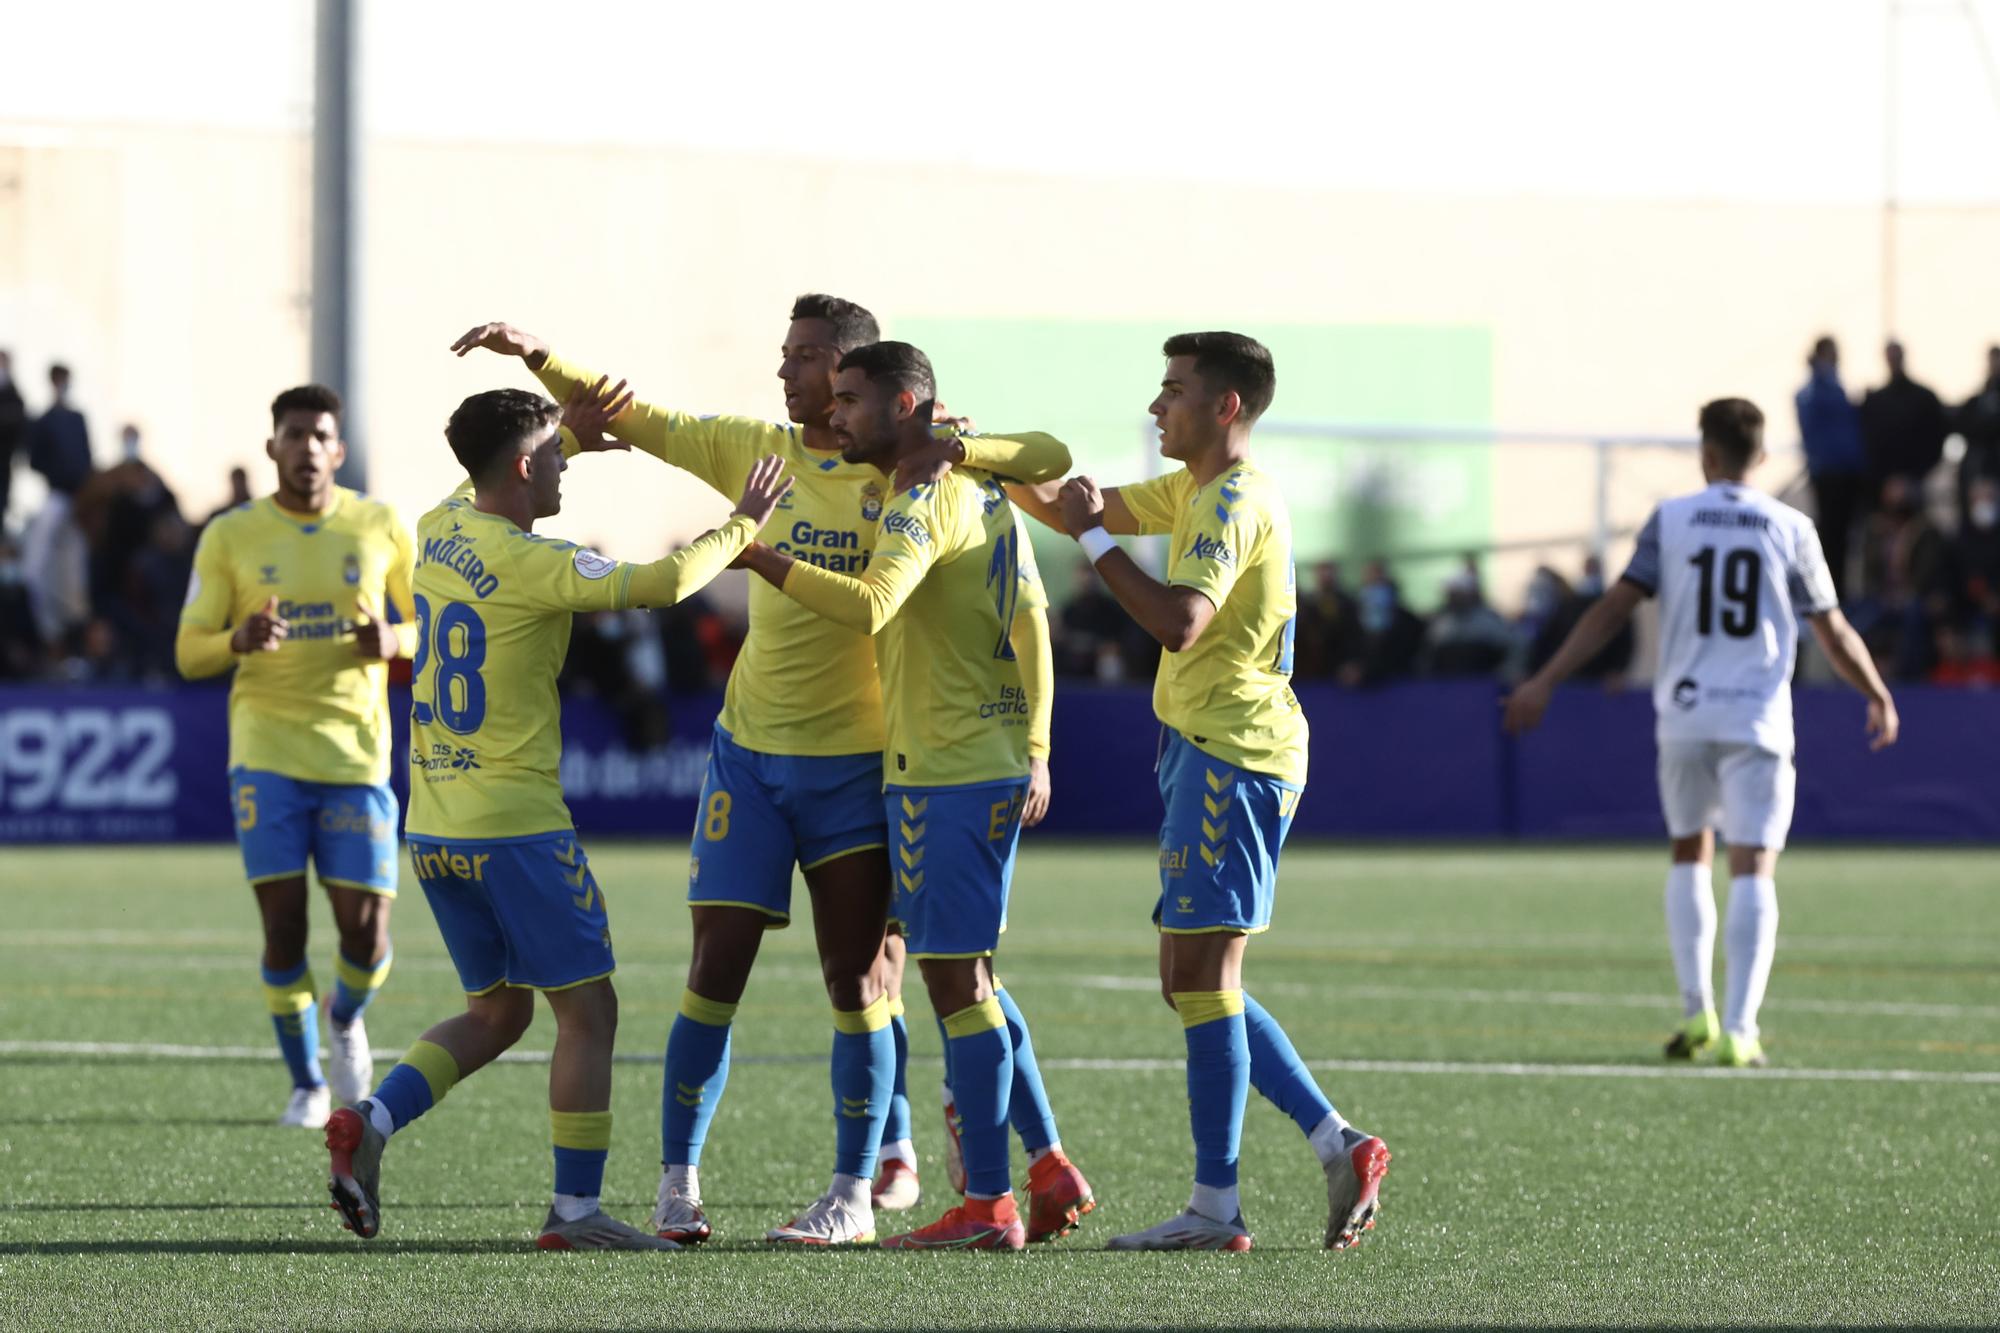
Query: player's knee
1167 993
506 1013
720 967
589 1011
284 941
849 991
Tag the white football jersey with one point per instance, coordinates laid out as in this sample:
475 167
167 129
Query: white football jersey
1735 571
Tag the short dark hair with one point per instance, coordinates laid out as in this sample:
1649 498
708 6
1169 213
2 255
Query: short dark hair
1735 428
58 371
490 427
1230 361
902 366
853 326
1824 344
313 398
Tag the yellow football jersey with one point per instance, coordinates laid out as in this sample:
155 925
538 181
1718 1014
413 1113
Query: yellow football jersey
802 685
1230 694
941 596
493 608
312 709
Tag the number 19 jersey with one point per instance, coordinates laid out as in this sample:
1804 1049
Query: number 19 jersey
1735 571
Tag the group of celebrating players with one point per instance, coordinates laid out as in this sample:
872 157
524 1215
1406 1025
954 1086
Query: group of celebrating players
886 732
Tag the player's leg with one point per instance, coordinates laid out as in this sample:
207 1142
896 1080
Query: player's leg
274 832
896 1185
739 886
850 896
1758 789
354 850
954 853
1058 1194
1690 796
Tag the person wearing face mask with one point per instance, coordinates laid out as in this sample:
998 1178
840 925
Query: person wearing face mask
13 421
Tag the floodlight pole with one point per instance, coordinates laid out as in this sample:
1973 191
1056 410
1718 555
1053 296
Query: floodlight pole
336 223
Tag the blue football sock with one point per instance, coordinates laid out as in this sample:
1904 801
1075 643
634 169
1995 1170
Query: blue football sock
697 1072
1028 1107
582 1142
1277 1072
354 985
896 1126
982 1078
1218 1078
294 1008
419 1081
864 1075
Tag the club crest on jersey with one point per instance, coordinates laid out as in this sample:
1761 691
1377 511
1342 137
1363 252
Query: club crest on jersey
1687 693
592 565
350 570
871 503
269 576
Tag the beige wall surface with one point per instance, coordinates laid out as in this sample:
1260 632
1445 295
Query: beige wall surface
170 267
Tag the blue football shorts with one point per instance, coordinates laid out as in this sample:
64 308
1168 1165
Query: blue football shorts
953 862
1219 842
516 911
346 830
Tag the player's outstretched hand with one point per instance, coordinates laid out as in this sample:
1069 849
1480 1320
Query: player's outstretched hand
1037 804
261 631
1082 505
504 339
1524 707
1883 724
374 638
591 408
767 485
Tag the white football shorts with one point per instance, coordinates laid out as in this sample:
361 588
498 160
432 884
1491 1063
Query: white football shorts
1744 790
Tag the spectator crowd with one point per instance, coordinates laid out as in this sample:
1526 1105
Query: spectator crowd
92 583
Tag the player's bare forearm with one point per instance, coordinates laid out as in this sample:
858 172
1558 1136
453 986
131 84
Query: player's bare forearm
1038 502
1598 627
1850 657
1174 616
767 564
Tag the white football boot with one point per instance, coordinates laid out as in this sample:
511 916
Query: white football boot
830 1221
677 1214
1189 1231
308 1108
350 1065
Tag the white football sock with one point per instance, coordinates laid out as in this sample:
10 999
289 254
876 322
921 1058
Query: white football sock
569 1207
682 1180
1753 943
378 1116
1218 1204
852 1191
901 1150
1691 934
1328 1138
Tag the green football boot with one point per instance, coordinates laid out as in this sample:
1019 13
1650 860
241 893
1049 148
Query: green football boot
1696 1035
1740 1052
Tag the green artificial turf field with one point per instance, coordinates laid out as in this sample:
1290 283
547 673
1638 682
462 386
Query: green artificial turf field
1493 1014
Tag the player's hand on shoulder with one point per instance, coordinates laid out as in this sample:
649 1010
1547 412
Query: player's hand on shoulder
1883 723
767 485
1081 505
1036 807
261 631
930 463
589 411
504 339
1523 709
375 639
941 417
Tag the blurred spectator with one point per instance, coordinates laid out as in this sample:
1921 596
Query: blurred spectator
239 494
13 424
1978 420
1329 631
1466 637
1391 635
93 657
1963 663
1978 555
1094 635
21 656
599 666
53 554
1836 461
1911 577
155 587
116 510
1564 606
697 645
1903 425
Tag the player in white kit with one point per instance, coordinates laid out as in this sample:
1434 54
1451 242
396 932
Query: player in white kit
1735 572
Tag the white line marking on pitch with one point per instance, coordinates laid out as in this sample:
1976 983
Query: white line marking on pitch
1970 1077
1577 999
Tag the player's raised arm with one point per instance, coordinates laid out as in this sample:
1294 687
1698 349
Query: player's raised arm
1039 502
907 550
1174 613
